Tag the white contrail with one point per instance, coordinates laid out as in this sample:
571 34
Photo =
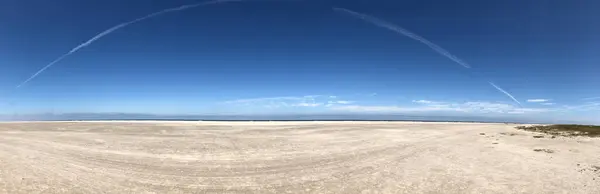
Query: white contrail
110 30
508 94
393 27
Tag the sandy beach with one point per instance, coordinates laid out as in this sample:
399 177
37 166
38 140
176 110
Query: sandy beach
292 157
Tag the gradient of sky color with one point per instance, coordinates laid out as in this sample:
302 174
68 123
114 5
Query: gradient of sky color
287 57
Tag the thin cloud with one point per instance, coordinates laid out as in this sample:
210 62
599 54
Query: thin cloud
338 102
471 107
423 101
119 26
308 104
290 101
385 109
588 106
281 102
359 108
538 100
467 107
591 98
341 102
254 100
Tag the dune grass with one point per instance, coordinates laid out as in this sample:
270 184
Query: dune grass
565 130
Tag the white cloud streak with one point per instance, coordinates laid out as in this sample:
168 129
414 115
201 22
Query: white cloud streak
588 106
591 98
119 26
423 105
505 92
304 104
341 102
378 109
398 29
280 102
423 101
256 100
431 106
290 101
538 100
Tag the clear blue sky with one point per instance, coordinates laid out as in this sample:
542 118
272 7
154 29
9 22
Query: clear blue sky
279 57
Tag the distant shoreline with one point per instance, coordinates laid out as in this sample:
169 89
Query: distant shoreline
258 121
263 118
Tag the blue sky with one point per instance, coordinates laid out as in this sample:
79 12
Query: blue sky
287 57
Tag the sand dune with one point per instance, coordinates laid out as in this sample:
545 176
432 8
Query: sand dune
291 157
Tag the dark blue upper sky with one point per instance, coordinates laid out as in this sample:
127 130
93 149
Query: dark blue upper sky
270 56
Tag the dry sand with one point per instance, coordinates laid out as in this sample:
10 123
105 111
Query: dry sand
291 157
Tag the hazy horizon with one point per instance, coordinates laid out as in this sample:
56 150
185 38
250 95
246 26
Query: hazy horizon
287 117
